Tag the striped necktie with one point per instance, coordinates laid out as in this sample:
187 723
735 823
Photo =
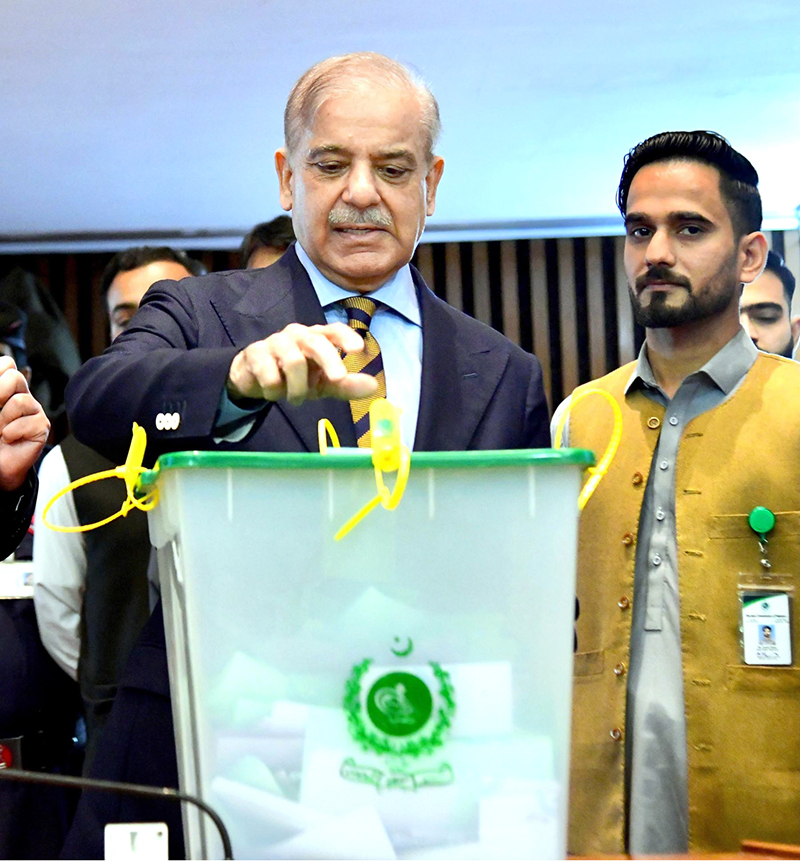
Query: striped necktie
367 361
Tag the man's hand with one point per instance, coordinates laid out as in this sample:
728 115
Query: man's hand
298 364
23 426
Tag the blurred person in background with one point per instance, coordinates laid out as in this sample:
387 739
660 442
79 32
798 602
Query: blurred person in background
765 309
52 352
91 590
39 706
266 243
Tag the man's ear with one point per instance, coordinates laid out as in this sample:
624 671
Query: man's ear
752 256
285 174
795 323
432 183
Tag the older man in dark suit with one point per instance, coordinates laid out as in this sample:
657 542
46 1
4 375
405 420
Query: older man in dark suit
252 360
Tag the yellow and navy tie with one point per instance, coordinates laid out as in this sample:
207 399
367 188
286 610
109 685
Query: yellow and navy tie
367 361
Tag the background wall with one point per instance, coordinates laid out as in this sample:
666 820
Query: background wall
130 119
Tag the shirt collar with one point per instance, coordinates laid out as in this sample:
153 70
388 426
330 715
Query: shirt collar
398 293
725 369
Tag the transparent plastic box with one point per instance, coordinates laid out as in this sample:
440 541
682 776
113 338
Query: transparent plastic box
402 693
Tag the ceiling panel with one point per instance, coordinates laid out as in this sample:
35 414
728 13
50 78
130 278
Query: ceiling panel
140 117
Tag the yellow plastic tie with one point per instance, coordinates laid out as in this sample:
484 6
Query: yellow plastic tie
324 430
596 473
129 472
388 455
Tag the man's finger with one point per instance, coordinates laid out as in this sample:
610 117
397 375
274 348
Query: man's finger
293 366
353 386
7 363
27 428
342 336
18 405
11 383
324 355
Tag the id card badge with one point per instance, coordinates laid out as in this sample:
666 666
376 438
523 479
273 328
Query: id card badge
766 628
766 604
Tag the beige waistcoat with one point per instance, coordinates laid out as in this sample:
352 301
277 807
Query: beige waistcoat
743 722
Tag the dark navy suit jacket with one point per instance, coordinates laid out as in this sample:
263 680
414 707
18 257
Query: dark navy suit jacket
479 391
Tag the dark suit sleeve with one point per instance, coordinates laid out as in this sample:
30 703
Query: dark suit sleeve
536 409
154 367
16 511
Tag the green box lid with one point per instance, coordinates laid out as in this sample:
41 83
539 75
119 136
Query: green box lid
353 458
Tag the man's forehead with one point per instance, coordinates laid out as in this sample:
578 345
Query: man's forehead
128 288
677 180
390 117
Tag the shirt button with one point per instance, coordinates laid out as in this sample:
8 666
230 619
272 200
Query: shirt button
637 478
656 559
654 422
619 670
673 420
616 733
627 539
660 514
624 602
664 464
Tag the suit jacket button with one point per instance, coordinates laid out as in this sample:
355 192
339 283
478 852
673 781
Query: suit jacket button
654 422
616 733
619 670
160 421
638 478
176 420
624 602
627 539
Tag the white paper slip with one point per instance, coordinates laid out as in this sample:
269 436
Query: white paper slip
136 841
16 579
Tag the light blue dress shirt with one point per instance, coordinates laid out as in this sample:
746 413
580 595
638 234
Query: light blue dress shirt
396 326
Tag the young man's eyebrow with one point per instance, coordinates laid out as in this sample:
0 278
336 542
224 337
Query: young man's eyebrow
690 216
124 306
635 218
687 215
760 306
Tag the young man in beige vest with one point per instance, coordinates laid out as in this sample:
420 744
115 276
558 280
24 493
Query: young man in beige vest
682 741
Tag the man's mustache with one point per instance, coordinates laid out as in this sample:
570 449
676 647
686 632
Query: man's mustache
372 217
661 274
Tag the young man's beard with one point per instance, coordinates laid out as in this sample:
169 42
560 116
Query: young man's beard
700 305
787 351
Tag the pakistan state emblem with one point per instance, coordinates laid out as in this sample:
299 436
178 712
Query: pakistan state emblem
402 715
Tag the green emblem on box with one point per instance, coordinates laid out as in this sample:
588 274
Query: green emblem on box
399 715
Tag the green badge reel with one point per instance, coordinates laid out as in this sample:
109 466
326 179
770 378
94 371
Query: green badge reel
762 522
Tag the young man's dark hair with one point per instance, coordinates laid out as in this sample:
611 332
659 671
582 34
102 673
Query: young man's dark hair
738 179
278 234
142 255
775 264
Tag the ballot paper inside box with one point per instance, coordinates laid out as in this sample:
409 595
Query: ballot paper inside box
402 693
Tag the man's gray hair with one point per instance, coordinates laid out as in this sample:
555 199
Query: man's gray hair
337 74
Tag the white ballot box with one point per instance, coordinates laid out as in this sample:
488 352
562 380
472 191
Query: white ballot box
401 693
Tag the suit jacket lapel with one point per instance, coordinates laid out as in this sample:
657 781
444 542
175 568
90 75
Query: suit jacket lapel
459 377
283 295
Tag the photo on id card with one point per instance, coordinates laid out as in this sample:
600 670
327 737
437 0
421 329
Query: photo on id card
766 629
